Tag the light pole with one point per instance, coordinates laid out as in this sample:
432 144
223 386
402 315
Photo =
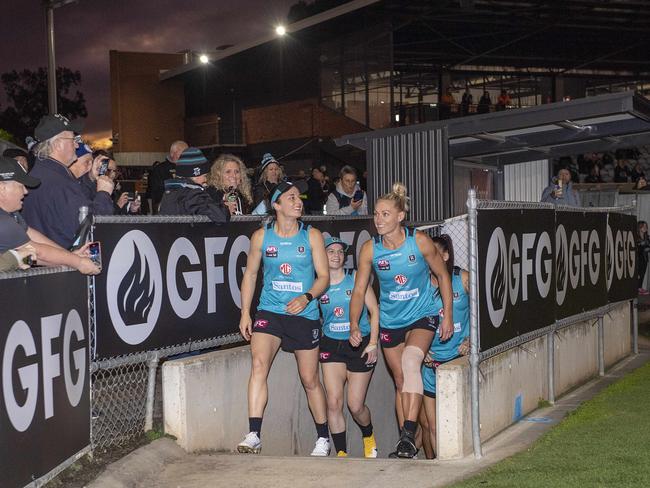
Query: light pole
50 5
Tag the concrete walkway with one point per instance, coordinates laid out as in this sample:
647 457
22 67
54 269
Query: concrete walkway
163 464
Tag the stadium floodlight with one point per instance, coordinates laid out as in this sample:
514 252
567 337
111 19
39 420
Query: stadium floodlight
281 30
204 58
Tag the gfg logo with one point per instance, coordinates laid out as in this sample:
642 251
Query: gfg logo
510 265
621 255
134 287
577 256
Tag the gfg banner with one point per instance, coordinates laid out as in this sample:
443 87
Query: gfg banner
516 273
537 266
45 404
166 284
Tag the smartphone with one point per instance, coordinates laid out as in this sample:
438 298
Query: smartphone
130 196
103 168
358 195
95 250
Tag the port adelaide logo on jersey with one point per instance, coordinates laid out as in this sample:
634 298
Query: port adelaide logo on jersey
383 264
301 249
271 252
411 258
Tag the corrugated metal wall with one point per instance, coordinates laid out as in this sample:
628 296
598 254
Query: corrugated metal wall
524 182
419 160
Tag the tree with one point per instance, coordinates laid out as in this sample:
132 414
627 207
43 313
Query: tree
26 92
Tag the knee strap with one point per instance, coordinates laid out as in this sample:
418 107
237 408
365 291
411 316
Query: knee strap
412 358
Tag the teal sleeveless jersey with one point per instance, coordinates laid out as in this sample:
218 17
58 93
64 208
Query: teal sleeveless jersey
335 306
406 292
288 271
448 350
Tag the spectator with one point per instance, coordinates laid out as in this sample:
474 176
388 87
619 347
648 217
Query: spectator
622 172
637 172
125 203
15 234
162 172
270 174
594 175
315 195
560 191
14 259
19 155
484 103
446 102
503 101
642 184
186 195
466 102
642 249
348 198
53 208
229 185
84 161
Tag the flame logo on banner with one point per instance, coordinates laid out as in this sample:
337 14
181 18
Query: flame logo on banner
136 292
496 277
609 256
134 285
561 264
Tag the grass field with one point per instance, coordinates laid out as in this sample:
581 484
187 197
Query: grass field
605 442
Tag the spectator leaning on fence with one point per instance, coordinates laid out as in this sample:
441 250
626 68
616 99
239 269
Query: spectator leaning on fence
347 198
16 235
186 194
53 208
229 185
560 191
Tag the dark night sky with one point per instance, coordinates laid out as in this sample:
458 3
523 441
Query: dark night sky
87 30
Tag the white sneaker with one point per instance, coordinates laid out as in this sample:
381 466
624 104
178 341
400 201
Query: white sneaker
322 447
251 444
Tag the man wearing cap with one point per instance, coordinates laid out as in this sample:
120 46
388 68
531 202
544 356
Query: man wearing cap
84 161
15 234
162 172
19 155
186 195
53 208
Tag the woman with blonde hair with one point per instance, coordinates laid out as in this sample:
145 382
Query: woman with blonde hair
403 260
228 184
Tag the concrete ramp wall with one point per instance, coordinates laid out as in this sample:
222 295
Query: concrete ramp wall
513 383
205 405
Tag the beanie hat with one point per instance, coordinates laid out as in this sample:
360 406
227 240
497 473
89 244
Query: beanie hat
191 163
266 160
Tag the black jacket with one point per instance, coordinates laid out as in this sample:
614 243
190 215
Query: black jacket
159 174
184 197
261 192
218 197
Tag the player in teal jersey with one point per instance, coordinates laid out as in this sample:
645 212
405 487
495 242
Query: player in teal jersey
345 358
287 316
408 317
444 351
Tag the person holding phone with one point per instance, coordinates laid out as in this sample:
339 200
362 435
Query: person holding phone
347 198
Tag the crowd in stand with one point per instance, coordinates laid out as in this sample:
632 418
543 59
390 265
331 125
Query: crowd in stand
65 177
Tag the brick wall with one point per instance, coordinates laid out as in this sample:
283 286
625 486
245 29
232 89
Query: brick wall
147 114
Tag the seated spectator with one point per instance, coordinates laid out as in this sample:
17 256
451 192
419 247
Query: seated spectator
22 258
642 184
53 208
348 198
637 172
16 235
484 103
560 191
270 174
186 194
594 175
229 185
622 172
19 155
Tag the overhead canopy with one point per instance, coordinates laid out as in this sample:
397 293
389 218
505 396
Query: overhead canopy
595 124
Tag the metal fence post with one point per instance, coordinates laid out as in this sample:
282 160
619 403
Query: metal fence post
601 346
474 334
550 349
635 326
151 392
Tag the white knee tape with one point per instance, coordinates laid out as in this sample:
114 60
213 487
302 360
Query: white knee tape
412 358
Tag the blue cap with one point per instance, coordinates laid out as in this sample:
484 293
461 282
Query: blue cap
83 149
335 240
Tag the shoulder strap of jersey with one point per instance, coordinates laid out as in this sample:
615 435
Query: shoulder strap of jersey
457 270
409 231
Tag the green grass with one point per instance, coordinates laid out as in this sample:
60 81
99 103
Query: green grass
605 442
